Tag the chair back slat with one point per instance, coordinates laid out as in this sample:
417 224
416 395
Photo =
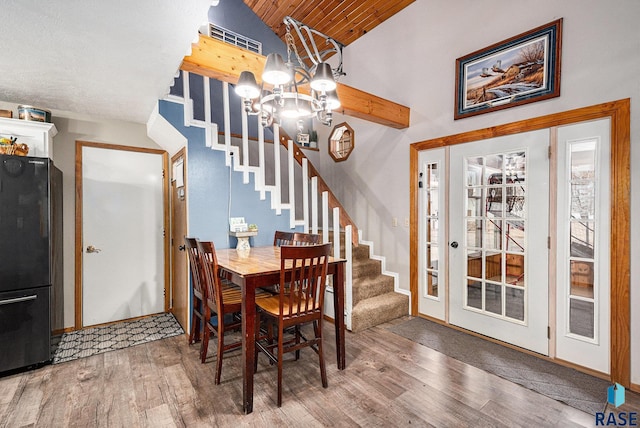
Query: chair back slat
281 238
300 238
207 252
197 274
303 275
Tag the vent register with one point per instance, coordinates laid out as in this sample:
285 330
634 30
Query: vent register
233 38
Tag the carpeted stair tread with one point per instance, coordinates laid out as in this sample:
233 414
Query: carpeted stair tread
368 267
368 287
377 310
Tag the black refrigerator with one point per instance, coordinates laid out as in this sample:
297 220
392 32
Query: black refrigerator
31 298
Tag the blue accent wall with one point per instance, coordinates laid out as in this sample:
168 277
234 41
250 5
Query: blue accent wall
208 191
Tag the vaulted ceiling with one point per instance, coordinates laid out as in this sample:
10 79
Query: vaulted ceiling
343 20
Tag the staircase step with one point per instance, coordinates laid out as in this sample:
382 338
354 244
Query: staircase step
378 310
366 288
367 267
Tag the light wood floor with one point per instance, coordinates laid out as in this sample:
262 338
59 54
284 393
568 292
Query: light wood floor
389 381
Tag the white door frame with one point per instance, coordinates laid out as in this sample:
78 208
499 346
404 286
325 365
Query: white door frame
619 113
78 221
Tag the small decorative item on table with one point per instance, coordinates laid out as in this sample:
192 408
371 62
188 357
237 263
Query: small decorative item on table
243 239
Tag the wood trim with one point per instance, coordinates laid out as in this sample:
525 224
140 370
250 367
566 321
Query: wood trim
223 61
619 114
414 245
166 197
78 220
635 387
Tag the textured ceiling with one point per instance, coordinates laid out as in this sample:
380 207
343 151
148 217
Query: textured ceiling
113 59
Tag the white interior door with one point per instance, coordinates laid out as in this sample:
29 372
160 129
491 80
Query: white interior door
431 233
499 222
122 230
583 287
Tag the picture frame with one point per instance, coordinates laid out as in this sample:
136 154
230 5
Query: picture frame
520 70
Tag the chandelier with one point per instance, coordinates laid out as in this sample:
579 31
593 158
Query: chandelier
279 96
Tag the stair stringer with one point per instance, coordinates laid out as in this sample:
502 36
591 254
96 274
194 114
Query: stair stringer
383 262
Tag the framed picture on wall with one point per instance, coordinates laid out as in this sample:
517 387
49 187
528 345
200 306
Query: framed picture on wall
516 71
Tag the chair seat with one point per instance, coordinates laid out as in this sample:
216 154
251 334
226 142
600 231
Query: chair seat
232 294
271 305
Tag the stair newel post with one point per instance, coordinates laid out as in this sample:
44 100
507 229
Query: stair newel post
325 216
261 174
208 137
348 276
305 194
292 189
277 194
336 232
188 102
227 123
245 145
314 205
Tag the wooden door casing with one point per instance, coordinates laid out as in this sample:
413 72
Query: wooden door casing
179 263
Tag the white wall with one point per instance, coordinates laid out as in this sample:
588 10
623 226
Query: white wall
72 127
410 59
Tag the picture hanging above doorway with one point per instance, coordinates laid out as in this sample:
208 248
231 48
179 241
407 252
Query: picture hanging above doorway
516 71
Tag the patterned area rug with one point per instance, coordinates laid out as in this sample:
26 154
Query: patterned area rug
564 384
96 340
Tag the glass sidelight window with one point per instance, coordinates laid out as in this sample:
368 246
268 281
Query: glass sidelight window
582 221
434 252
495 215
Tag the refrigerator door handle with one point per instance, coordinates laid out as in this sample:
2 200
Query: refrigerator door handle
18 300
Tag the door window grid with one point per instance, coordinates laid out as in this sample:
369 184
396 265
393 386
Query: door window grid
495 240
433 253
583 223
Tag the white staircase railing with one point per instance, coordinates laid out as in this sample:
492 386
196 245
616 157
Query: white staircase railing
309 185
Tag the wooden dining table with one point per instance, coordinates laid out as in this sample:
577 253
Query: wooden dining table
260 267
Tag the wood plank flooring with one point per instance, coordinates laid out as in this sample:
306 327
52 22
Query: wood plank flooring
389 381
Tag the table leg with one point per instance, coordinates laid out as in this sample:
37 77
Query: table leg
338 305
248 345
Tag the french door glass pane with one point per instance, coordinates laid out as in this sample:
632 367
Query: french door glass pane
581 318
515 303
496 233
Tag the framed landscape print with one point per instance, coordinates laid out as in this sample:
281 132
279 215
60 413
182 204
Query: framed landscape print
516 71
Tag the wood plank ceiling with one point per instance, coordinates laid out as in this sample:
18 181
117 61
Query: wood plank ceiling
343 20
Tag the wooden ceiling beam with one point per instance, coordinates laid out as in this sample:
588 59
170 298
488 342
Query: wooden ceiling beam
225 62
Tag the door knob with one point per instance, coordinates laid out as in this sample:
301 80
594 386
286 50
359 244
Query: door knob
181 248
92 249
454 244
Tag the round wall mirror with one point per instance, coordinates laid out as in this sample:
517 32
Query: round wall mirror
341 142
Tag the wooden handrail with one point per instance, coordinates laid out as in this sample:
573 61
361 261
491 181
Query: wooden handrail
322 187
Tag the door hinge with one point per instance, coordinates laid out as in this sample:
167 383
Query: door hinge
549 152
163 173
548 242
164 233
548 332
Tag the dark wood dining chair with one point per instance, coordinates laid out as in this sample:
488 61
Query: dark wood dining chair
222 308
199 296
300 238
282 238
304 268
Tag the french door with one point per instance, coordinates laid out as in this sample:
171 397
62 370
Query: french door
484 210
499 211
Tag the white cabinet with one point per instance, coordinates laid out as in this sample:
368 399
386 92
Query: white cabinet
37 135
